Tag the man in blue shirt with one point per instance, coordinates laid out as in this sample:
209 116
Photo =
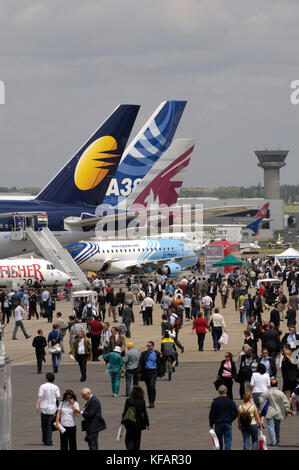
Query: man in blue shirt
148 370
222 413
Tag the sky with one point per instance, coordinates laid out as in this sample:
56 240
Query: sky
67 64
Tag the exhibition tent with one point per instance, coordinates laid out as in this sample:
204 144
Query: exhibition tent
290 253
229 260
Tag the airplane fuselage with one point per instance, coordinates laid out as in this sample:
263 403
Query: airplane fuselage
55 220
123 256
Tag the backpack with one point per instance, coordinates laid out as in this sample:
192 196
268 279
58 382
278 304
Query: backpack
247 304
129 416
245 417
177 322
284 299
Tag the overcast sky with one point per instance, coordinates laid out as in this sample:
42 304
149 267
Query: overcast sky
67 64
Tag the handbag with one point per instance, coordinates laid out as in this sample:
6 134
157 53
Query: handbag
217 383
122 371
55 349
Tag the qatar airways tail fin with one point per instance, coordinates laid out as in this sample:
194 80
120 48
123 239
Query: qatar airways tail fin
163 182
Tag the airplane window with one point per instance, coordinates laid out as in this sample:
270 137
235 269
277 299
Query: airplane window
121 251
48 266
116 251
52 267
112 251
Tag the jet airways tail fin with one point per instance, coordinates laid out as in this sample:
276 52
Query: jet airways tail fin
145 150
86 176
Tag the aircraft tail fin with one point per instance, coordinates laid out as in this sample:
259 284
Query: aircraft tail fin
254 226
161 186
263 212
144 151
86 176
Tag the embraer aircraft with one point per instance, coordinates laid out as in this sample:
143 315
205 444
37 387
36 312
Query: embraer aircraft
129 256
68 204
21 270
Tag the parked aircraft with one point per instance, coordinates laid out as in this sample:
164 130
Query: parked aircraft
28 270
129 256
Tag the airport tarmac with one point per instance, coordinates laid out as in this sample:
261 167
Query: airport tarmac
180 419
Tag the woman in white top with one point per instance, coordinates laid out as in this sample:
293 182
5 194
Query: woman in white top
260 382
66 417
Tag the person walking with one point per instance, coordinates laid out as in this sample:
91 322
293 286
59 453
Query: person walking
47 399
19 315
207 304
222 413
131 361
249 422
135 418
289 371
6 309
128 318
116 339
271 341
32 300
278 410
149 370
93 421
39 343
67 412
115 364
50 307
82 353
259 382
227 373
147 305
200 325
55 345
95 328
217 324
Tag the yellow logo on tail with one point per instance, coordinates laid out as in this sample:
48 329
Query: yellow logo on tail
91 169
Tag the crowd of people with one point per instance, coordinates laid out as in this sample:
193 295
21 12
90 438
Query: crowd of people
262 306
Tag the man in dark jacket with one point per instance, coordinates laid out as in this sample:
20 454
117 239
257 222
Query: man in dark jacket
128 318
222 413
93 421
271 341
149 369
235 295
291 316
274 317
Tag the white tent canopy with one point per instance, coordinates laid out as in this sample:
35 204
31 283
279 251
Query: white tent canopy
290 253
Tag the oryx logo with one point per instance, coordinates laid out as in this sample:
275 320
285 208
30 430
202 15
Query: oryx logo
2 92
95 163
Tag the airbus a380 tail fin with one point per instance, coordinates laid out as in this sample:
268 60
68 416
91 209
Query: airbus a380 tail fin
145 150
86 176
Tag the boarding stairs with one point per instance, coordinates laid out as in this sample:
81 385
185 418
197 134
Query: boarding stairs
50 248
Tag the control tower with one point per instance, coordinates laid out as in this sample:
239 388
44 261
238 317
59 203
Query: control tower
271 161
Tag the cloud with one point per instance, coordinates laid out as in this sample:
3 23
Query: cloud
66 67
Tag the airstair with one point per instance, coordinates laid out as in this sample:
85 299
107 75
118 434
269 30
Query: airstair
50 248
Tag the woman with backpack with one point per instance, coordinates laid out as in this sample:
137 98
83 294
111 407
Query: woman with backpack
135 418
249 422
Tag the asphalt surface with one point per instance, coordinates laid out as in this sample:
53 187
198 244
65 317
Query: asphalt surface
179 420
